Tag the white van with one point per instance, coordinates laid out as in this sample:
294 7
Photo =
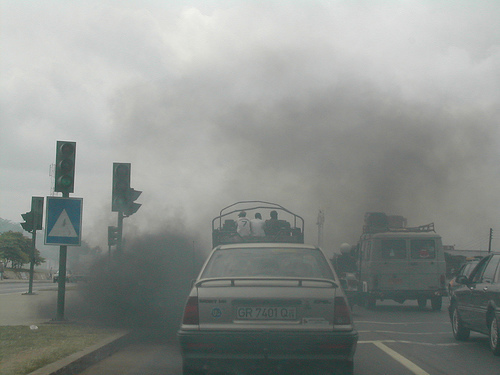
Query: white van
402 264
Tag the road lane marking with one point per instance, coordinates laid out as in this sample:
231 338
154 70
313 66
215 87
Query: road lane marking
407 333
410 342
400 323
399 358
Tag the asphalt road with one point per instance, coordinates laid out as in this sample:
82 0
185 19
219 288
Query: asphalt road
394 339
19 308
21 286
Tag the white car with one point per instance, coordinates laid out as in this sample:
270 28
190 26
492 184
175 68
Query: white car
273 307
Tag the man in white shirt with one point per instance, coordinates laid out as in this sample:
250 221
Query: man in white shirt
257 226
243 225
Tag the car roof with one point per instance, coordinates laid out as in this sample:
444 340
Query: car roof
492 254
260 245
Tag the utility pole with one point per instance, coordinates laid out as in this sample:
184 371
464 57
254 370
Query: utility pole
193 265
491 237
319 223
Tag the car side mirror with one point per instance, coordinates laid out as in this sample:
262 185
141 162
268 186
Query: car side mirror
461 279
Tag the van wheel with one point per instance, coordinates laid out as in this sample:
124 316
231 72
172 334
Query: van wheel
436 303
460 332
494 336
422 302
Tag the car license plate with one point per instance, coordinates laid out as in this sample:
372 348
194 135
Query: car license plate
266 313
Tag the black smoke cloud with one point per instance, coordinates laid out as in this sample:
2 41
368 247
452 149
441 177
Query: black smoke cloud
345 148
354 150
143 287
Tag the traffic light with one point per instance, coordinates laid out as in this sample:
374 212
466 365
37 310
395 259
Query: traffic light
123 196
121 186
65 166
28 221
33 219
132 207
37 210
112 235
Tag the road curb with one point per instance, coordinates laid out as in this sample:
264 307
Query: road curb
79 361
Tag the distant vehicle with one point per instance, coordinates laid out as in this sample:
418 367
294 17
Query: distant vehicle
475 303
464 270
55 278
400 263
346 267
267 306
79 277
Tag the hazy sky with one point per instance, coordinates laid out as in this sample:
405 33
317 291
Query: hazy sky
343 106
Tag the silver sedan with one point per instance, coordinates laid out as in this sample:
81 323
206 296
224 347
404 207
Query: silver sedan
267 307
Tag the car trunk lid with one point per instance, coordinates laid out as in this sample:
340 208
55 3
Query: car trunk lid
267 303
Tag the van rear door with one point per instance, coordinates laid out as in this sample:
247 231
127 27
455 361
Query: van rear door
390 270
426 263
413 263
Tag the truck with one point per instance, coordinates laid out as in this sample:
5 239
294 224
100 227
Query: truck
400 263
288 231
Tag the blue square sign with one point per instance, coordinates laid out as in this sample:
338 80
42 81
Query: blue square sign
63 221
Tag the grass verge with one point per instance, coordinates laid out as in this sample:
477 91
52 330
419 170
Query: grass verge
23 350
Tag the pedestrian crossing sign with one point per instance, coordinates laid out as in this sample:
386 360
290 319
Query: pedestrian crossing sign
63 221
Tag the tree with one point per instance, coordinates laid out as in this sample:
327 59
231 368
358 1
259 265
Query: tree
16 257
15 248
6 225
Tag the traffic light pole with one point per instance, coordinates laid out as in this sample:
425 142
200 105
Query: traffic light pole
33 222
61 282
61 287
120 233
64 183
32 261
122 202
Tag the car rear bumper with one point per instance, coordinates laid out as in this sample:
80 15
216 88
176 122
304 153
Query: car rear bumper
219 351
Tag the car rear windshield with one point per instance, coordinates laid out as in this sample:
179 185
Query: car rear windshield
273 262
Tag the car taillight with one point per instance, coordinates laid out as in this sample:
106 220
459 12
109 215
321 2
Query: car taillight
442 280
191 315
342 311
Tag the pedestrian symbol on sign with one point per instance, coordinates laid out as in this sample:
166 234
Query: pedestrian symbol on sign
63 221
63 227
